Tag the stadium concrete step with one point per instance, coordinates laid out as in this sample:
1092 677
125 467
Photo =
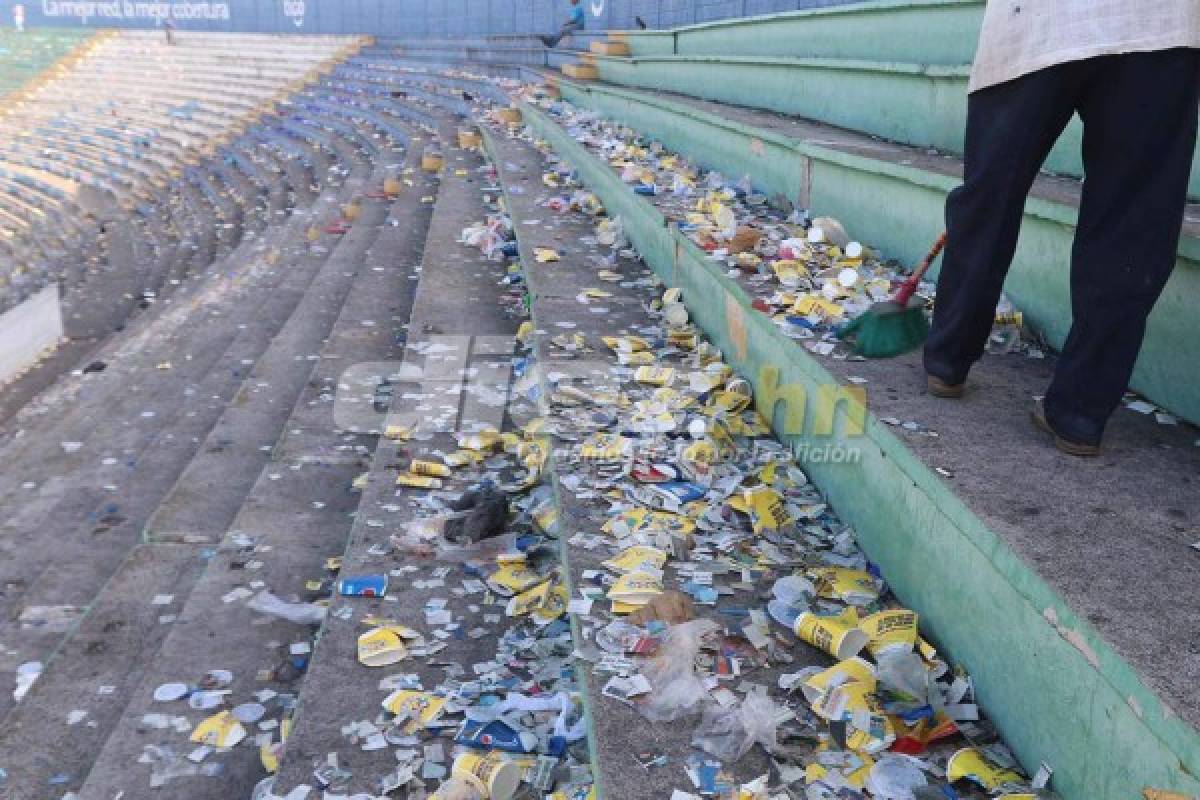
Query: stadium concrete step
836 65
51 737
617 730
102 486
457 310
984 527
297 514
211 489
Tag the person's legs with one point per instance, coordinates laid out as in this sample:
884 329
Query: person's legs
1139 135
1010 129
566 30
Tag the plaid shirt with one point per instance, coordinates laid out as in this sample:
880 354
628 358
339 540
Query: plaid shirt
1023 36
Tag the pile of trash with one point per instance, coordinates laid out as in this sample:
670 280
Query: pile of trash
727 594
808 274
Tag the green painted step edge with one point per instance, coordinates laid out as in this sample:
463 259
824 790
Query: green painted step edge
525 250
1056 689
913 103
932 31
864 192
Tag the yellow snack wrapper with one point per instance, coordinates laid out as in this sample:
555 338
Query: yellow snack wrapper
399 433
419 708
626 344
417 481
729 402
655 376
521 604
270 752
853 586
430 469
606 447
219 730
637 559
546 519
643 520
809 304
635 588
381 647
481 441
512 579
971 763
635 358
766 508
462 458
852 670
554 606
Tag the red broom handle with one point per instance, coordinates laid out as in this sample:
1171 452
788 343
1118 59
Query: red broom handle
909 287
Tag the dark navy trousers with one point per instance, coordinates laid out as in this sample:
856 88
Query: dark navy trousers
1139 113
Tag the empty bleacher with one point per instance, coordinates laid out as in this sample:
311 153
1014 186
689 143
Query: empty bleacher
237 220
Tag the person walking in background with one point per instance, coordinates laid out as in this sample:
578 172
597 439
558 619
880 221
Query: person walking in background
19 17
1131 69
169 28
576 21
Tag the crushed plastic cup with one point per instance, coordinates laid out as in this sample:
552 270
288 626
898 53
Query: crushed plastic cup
971 763
836 634
494 777
818 685
890 629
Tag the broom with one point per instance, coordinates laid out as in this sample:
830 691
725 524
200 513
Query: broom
894 326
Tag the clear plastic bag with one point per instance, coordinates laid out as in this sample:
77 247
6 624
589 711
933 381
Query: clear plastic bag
729 733
425 537
905 676
301 613
677 689
895 777
166 765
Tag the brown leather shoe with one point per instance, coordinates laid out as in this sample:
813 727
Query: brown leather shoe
1038 415
939 388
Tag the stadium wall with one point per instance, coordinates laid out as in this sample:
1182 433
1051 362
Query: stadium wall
399 18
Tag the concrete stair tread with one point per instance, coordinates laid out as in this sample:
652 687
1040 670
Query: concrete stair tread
209 492
94 528
618 730
299 513
1061 190
95 671
338 689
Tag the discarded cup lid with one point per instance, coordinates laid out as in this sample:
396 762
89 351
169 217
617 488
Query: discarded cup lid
202 700
249 713
168 692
